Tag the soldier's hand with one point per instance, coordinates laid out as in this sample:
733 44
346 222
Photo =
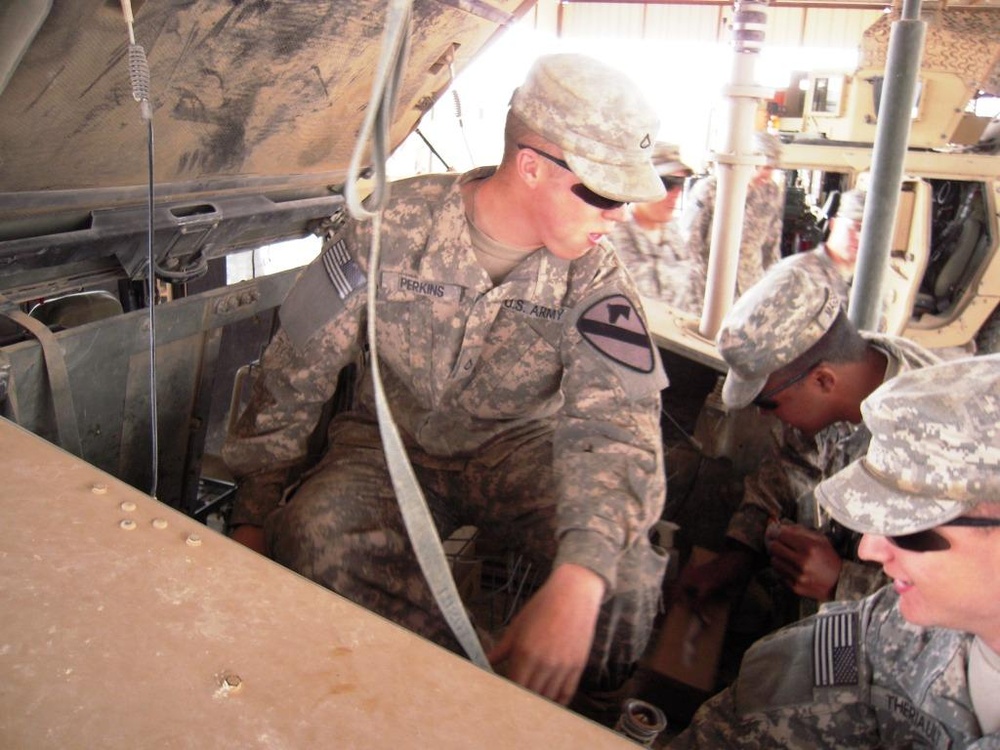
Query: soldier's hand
547 644
250 536
806 562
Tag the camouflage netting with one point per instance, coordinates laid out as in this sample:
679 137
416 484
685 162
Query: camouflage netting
966 42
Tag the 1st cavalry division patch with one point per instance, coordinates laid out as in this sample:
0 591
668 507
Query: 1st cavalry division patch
614 327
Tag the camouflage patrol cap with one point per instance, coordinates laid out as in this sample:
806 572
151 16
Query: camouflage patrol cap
769 146
667 160
600 120
852 205
934 453
774 323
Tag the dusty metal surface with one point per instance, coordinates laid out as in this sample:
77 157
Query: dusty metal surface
127 624
238 89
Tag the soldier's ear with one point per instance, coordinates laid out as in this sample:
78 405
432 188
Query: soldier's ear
528 166
825 378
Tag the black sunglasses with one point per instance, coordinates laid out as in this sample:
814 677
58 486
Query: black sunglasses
931 541
766 401
672 182
580 190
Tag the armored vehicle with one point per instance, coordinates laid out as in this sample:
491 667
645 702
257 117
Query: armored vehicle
238 136
942 288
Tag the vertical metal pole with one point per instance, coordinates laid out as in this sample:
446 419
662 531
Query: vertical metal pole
892 134
735 164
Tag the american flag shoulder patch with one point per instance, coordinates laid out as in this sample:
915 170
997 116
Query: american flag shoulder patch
614 327
344 272
835 652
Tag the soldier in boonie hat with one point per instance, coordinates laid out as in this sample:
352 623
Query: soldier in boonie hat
934 453
779 319
916 663
599 118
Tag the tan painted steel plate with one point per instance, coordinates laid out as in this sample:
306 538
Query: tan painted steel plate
115 637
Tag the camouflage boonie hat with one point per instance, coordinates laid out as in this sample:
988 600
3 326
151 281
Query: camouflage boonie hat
775 322
599 118
934 453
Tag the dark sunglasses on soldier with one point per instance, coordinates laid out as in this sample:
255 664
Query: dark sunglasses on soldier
580 190
766 402
672 182
932 541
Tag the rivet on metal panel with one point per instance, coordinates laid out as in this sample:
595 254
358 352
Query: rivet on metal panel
193 540
127 505
228 683
127 523
159 523
99 488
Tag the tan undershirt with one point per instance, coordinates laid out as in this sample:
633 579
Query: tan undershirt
984 685
496 258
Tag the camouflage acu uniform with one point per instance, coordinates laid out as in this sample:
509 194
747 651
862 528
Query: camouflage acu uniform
760 246
782 487
659 264
855 676
530 409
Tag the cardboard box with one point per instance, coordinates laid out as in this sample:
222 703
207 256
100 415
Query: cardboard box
689 646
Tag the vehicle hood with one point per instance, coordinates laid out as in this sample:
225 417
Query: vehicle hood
256 108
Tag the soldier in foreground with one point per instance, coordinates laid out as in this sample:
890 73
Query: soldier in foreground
793 352
916 664
519 370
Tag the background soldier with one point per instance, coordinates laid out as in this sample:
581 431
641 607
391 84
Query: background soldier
760 246
834 259
649 242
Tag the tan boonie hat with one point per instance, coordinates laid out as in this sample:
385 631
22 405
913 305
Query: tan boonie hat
775 322
600 120
934 453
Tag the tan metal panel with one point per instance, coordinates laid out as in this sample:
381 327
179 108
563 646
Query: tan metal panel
126 624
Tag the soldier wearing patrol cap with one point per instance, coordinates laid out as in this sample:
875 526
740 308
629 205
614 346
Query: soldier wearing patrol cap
833 261
522 378
649 242
792 352
916 664
760 245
